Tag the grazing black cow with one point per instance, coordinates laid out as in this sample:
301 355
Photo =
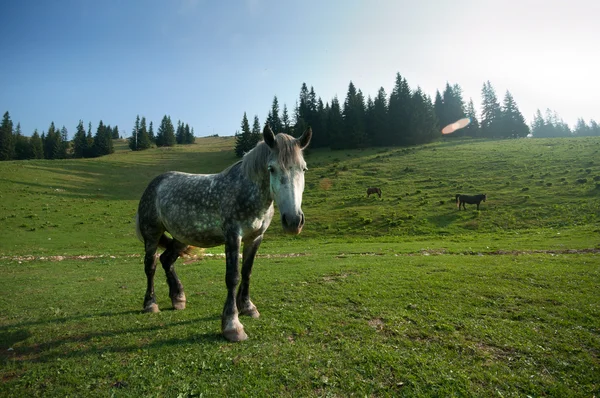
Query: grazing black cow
373 190
470 199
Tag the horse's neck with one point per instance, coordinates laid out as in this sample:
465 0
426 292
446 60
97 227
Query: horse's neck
260 187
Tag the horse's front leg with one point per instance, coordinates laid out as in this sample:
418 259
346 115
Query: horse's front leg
245 306
231 327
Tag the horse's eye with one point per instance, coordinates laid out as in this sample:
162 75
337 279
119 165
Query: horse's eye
271 169
305 169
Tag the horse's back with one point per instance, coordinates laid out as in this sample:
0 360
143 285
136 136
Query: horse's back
178 202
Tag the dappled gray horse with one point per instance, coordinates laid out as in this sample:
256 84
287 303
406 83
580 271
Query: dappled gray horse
234 206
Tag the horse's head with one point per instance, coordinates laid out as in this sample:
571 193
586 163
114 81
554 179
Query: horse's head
484 197
286 167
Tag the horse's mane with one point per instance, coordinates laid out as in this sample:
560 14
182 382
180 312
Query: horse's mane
287 150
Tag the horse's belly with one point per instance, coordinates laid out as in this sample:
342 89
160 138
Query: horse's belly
196 231
206 238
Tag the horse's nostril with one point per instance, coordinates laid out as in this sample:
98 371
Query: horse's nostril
301 219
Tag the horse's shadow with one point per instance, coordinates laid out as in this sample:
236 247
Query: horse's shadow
445 219
15 345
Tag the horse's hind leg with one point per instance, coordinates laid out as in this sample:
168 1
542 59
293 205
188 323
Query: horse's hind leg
245 306
150 268
167 260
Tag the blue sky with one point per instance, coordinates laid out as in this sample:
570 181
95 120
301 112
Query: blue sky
208 62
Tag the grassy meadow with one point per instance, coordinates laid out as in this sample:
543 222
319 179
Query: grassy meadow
399 296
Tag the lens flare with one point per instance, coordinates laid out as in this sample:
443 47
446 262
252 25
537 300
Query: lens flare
459 124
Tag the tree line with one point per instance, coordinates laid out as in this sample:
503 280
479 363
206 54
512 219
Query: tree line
405 117
54 143
143 137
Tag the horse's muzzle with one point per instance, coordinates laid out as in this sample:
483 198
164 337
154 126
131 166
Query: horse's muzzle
292 224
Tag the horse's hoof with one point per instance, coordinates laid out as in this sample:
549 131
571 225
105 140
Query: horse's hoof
249 309
234 330
179 302
235 335
153 308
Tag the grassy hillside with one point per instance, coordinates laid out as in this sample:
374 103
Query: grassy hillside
375 298
542 194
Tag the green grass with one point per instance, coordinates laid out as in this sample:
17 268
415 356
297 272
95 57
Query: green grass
330 325
399 296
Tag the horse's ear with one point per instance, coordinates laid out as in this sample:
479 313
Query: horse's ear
269 137
304 139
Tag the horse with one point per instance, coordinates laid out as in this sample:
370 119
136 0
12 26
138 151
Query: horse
229 208
470 199
373 190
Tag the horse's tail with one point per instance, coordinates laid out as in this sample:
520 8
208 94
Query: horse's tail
137 228
163 241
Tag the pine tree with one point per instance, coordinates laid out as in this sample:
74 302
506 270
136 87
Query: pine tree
188 135
256 132
140 138
63 146
538 126
594 128
335 125
399 112
512 121
79 141
380 122
115 133
243 140
302 111
306 110
319 128
473 129
151 135
103 144
354 118
312 116
7 143
453 106
438 106
90 142
52 143
180 133
285 120
143 136
22 145
550 126
166 133
135 134
581 128
491 113
37 149
273 119
369 120
423 125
